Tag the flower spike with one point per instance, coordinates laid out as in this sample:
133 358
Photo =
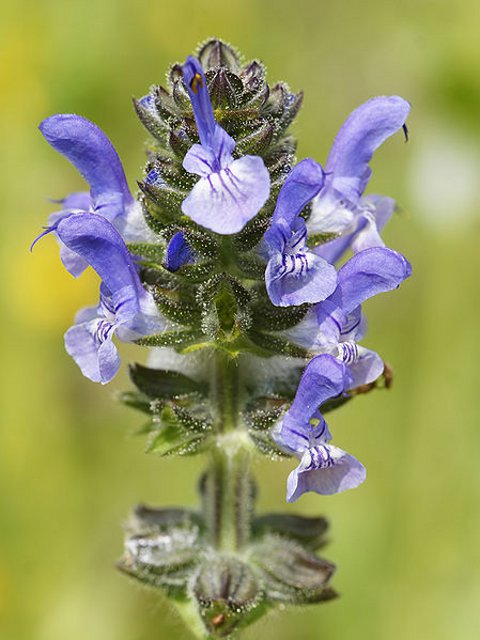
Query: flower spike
250 338
230 192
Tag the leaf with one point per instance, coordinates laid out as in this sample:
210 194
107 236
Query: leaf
145 518
265 316
162 547
152 252
180 339
136 400
309 531
291 573
276 345
178 432
264 443
173 440
156 383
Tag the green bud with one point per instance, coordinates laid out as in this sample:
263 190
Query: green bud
225 88
215 53
227 593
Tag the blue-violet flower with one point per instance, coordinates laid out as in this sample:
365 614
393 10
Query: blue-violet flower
294 274
339 207
92 153
303 432
178 252
335 325
126 309
230 192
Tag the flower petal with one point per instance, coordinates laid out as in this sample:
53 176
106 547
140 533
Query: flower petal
72 262
366 368
345 472
294 279
302 184
77 202
365 234
96 240
323 378
196 84
319 330
330 214
367 274
382 208
92 153
178 252
362 133
203 160
225 201
200 160
98 360
332 251
132 225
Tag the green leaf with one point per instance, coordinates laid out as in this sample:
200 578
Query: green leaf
174 440
317 239
265 445
147 519
256 143
180 339
156 383
251 265
276 345
178 432
136 400
179 309
265 316
152 252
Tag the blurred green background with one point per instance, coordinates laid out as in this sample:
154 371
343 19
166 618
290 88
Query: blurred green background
406 542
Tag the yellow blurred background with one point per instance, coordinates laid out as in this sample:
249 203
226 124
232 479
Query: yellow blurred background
406 542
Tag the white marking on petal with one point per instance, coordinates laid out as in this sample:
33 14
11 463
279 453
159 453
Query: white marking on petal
347 352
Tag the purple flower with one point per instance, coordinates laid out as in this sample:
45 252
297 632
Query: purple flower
230 192
126 309
335 325
178 252
92 153
339 207
294 274
303 432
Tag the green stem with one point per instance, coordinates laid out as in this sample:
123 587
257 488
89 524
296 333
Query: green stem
228 486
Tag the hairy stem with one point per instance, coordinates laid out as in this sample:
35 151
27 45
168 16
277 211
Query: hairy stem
228 486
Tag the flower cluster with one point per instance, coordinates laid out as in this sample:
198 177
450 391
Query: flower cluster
229 245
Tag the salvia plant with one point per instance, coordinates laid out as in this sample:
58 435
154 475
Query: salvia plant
224 264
